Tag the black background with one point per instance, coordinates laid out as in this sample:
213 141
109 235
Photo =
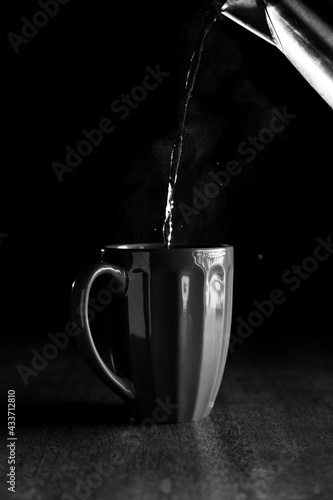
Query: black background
64 80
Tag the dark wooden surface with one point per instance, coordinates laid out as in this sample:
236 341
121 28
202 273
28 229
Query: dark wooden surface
269 435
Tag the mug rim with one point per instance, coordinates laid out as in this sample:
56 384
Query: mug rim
161 247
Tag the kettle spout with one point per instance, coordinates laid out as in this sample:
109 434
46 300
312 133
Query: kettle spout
301 30
248 13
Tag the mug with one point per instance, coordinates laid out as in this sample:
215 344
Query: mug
167 315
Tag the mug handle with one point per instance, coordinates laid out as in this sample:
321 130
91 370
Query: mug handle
81 287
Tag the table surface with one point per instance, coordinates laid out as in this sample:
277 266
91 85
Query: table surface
269 435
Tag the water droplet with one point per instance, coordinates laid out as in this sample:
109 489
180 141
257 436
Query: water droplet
166 486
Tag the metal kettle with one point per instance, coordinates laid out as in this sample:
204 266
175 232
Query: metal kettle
301 29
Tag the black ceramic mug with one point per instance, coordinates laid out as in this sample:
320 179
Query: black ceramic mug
168 318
